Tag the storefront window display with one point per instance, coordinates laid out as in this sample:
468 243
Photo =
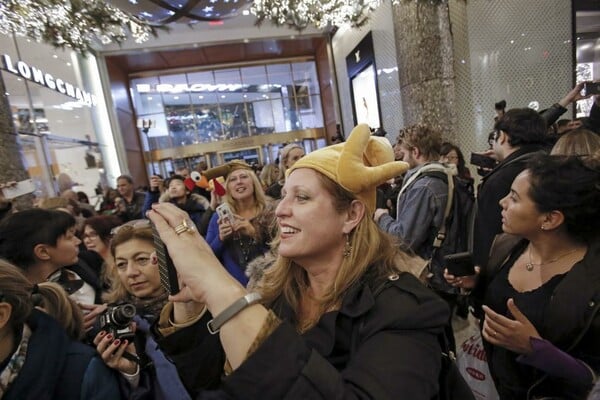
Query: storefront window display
222 104
58 108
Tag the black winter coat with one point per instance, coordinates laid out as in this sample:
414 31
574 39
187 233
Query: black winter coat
383 347
57 368
493 187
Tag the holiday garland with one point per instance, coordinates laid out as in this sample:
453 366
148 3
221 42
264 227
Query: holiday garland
71 23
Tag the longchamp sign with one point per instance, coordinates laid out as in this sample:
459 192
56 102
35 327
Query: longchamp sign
33 74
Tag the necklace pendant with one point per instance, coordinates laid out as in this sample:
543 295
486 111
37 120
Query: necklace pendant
529 267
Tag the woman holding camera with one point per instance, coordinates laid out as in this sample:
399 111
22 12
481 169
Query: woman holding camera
37 358
337 315
136 283
244 231
541 286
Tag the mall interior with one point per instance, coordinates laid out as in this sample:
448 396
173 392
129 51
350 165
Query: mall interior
227 89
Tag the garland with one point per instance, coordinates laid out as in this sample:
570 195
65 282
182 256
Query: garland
76 24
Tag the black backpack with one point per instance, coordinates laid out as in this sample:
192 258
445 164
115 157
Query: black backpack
458 215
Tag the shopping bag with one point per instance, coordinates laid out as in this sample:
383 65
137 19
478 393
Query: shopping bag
472 364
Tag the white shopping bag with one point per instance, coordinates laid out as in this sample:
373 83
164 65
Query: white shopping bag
472 364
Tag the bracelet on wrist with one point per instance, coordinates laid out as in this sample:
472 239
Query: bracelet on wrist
215 324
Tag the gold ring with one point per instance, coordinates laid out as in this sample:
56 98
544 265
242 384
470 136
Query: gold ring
185 226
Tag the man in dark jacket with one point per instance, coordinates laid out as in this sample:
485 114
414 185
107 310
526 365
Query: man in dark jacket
517 135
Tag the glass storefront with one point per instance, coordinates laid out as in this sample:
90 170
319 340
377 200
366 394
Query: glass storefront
58 110
203 107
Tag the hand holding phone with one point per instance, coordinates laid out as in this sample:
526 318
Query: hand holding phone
225 214
591 88
459 264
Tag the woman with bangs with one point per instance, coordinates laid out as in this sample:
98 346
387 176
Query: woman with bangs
136 281
340 314
238 241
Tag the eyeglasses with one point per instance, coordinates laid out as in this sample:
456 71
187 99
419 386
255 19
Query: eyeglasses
133 224
91 235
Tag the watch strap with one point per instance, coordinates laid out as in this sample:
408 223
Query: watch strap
215 324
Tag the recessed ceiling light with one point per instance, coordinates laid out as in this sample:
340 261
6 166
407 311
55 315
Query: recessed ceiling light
222 96
69 64
149 98
176 97
54 56
200 97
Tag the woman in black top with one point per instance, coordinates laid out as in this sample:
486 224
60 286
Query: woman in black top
541 319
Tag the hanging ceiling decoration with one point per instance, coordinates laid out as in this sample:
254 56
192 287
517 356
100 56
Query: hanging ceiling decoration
299 14
76 23
79 24
163 12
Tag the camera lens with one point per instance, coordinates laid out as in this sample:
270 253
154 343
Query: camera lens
123 314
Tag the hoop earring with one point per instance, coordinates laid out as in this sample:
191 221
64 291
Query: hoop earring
347 247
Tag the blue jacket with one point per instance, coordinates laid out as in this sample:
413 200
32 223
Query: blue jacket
419 216
60 368
159 380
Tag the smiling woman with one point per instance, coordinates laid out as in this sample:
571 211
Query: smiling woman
342 314
236 243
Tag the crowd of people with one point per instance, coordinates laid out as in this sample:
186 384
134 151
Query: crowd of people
325 275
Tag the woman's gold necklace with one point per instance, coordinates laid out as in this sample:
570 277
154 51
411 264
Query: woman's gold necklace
530 265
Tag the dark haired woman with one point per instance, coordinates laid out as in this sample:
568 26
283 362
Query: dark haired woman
541 288
97 232
451 154
37 358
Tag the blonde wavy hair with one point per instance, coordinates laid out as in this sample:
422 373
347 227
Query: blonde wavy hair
260 199
283 159
372 249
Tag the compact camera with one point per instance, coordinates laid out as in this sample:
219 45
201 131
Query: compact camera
116 320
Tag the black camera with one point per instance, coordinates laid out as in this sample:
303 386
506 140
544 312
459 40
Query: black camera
116 320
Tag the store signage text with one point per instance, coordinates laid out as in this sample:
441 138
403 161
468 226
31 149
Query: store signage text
201 87
36 75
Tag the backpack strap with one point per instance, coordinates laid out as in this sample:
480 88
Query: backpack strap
441 235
